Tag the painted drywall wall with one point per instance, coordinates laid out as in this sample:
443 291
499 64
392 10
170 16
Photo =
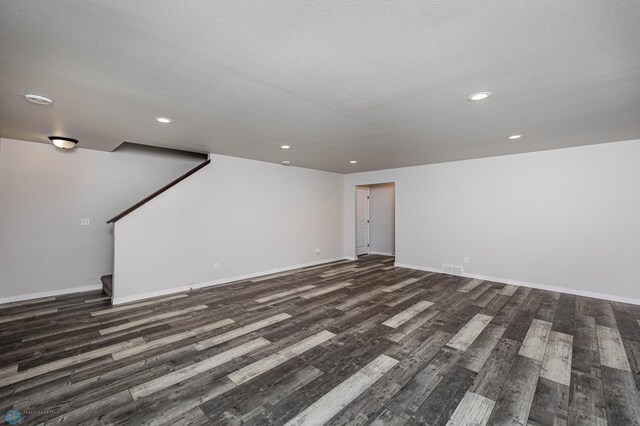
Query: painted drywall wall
567 218
44 192
382 216
247 216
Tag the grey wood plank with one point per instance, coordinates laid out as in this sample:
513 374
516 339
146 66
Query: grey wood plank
419 388
474 409
404 297
151 319
193 417
486 297
8 306
550 405
443 401
469 286
633 355
65 362
259 367
565 319
401 284
173 338
412 325
404 316
612 352
364 409
165 411
514 403
27 315
325 290
557 360
465 337
362 297
586 353
508 290
177 376
342 395
240 331
251 405
534 345
281 294
388 418
87 413
77 390
587 405
9 370
480 350
621 397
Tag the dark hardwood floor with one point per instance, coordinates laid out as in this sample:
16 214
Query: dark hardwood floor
347 343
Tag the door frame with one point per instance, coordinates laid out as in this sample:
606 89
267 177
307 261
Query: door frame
367 217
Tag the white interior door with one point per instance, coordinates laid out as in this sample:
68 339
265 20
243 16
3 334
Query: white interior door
362 221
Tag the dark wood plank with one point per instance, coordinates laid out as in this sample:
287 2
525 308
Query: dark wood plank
50 370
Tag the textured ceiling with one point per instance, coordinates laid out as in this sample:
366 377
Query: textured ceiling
382 82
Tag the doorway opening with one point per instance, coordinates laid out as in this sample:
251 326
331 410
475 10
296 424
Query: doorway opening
375 219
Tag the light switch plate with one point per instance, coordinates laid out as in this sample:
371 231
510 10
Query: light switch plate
85 221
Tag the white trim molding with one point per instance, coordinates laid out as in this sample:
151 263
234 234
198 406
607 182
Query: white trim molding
229 280
381 253
31 296
567 290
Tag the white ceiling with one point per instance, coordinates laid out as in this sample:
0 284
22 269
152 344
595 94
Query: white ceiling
382 82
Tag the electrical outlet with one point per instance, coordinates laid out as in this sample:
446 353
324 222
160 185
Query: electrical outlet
317 250
216 265
85 221
466 259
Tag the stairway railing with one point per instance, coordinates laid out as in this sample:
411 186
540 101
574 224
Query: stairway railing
158 192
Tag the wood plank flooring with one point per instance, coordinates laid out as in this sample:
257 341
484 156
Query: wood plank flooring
347 343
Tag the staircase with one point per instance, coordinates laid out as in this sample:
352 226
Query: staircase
107 280
107 285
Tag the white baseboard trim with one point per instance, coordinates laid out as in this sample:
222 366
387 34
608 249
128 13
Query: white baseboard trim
567 290
229 280
40 295
381 253
417 268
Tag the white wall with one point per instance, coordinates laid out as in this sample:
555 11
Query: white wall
565 218
43 194
248 216
382 218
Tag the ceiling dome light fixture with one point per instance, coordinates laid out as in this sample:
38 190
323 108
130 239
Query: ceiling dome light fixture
479 96
63 143
285 146
163 120
38 99
513 137
353 161
286 163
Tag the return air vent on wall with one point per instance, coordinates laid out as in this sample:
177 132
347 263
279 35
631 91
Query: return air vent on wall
452 269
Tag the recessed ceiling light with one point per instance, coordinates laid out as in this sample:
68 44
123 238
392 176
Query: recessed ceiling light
63 143
285 146
286 162
38 99
353 161
479 96
163 120
512 137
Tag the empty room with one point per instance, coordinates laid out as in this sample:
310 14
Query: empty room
320 213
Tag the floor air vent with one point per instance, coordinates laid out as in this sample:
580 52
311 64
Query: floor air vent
452 269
